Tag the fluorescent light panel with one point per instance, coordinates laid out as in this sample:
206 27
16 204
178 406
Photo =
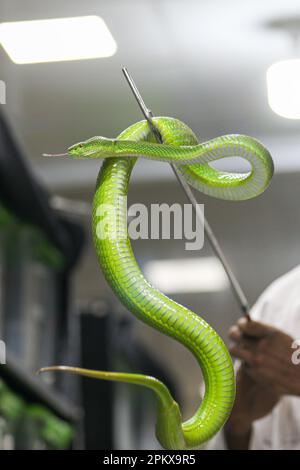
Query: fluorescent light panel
283 83
54 40
187 275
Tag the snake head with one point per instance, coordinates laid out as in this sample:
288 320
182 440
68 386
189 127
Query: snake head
96 147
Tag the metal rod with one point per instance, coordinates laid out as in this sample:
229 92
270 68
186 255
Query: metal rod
235 285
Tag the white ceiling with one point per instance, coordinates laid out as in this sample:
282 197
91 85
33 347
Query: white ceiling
203 61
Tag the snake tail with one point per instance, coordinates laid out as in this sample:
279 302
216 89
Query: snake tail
170 427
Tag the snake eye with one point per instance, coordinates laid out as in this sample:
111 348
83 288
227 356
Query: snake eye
75 148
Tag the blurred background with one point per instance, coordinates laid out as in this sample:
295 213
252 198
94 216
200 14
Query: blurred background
203 62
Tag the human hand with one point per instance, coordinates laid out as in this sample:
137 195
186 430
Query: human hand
267 356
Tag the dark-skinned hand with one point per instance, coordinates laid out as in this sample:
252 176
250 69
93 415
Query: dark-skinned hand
267 354
266 373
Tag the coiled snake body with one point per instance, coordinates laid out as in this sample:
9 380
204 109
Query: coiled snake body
127 281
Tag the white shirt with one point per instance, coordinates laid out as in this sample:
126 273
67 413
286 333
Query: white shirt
279 306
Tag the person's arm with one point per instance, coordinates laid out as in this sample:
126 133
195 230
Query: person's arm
236 439
253 401
267 373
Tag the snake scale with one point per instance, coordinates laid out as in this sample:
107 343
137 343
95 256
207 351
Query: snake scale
116 258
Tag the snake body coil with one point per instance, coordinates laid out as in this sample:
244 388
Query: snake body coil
126 279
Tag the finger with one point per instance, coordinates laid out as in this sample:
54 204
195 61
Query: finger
235 333
265 376
243 341
269 370
242 353
255 329
246 342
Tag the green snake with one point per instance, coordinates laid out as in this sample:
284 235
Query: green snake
114 251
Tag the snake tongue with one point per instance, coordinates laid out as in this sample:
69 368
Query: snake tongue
55 154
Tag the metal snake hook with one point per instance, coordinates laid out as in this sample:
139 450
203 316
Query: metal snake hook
235 285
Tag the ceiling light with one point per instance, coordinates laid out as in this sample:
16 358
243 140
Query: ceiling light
283 78
186 275
283 82
61 39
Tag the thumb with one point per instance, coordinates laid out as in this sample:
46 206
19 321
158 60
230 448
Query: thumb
255 329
